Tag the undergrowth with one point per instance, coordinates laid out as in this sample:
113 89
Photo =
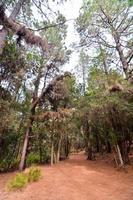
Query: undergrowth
34 174
21 180
18 182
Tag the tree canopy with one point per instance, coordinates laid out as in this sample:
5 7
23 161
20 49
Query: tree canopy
46 113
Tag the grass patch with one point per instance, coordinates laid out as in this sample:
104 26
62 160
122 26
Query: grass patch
18 182
34 174
21 180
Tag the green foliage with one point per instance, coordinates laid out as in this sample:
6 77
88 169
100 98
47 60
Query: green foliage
7 162
34 174
107 114
32 158
96 26
21 180
23 72
9 123
18 182
130 2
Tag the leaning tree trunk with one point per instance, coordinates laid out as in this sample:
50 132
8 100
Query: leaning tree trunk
119 49
26 140
124 151
22 161
35 102
120 156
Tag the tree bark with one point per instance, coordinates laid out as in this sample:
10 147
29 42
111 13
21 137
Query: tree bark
58 150
24 150
26 141
124 151
120 157
52 153
30 123
90 155
121 54
116 33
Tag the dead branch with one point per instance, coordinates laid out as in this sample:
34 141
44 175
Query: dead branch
23 31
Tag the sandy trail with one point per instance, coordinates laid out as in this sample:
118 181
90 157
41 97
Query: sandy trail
75 179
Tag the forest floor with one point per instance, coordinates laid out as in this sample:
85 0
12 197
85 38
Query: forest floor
75 179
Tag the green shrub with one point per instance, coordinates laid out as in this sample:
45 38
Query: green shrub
21 179
18 182
34 174
8 163
3 165
46 155
32 158
14 164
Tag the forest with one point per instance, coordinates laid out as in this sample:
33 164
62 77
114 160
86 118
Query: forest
63 101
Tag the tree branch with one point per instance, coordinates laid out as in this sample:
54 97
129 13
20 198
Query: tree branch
48 88
24 32
50 26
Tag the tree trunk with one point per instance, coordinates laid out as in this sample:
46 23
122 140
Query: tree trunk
26 140
90 154
124 151
52 153
120 156
55 157
120 53
35 101
108 147
67 147
97 144
58 150
24 150
40 151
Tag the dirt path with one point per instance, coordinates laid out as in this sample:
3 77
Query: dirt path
75 179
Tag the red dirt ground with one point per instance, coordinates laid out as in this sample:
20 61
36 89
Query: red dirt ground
75 179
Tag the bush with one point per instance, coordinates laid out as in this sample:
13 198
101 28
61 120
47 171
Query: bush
32 158
22 179
34 174
18 182
8 164
3 165
46 155
15 164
